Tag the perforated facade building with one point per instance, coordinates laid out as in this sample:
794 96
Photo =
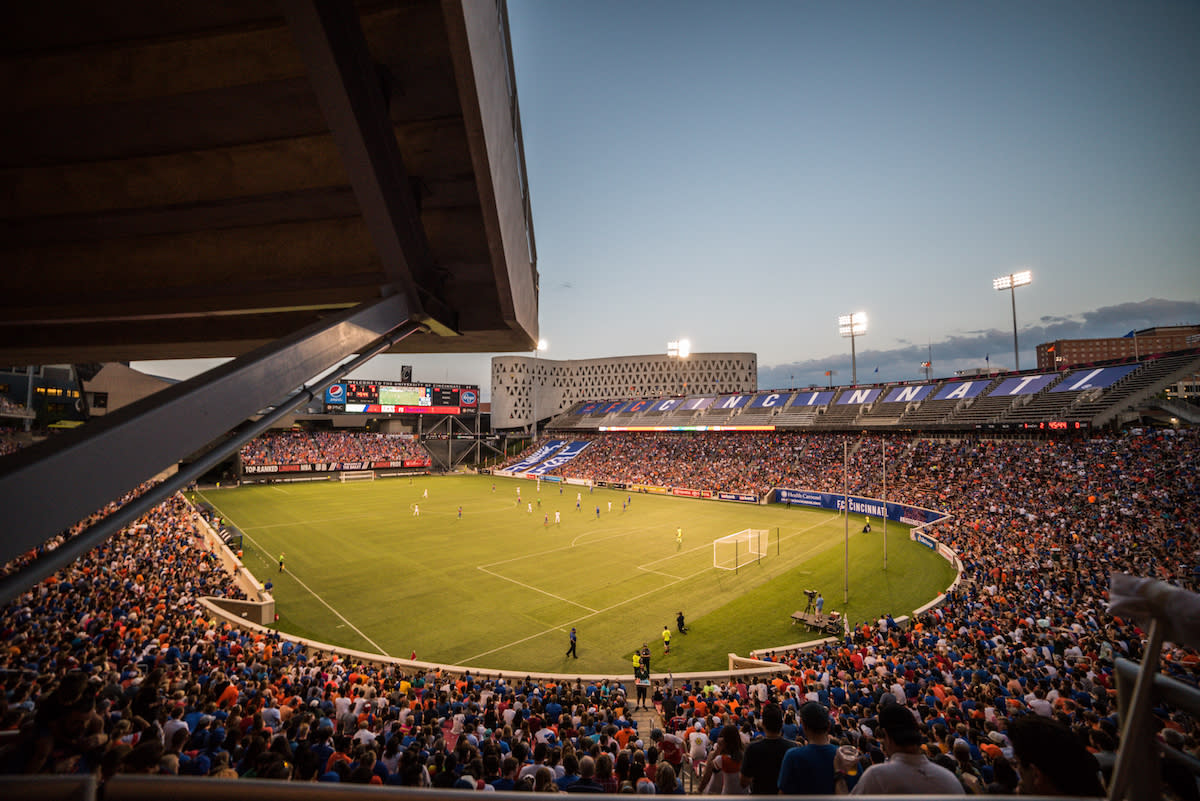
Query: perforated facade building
523 386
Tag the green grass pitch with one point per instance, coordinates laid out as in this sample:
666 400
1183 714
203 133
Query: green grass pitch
499 588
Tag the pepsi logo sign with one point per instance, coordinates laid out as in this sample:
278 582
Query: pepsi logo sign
467 397
336 391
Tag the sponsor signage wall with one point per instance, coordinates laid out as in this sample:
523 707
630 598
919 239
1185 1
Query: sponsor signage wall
331 467
911 515
737 496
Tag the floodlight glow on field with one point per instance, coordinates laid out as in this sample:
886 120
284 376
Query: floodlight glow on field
853 325
1011 282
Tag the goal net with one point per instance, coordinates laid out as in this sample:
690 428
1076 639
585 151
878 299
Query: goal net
356 475
737 550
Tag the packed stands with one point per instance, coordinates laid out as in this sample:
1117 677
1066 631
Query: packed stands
109 667
304 447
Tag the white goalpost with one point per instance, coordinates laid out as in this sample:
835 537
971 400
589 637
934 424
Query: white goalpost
738 550
356 475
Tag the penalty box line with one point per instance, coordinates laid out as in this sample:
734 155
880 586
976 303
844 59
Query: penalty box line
535 589
645 566
594 613
308 589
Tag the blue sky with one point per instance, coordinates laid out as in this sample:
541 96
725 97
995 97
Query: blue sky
741 173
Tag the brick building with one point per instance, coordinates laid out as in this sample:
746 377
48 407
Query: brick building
1064 353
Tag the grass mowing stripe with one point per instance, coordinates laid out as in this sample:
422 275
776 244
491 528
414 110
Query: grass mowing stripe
410 583
314 594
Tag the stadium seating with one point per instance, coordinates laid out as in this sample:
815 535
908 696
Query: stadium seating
1038 524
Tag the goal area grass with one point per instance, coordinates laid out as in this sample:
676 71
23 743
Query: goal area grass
499 588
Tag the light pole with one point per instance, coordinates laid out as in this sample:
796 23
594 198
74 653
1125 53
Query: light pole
541 347
1011 282
679 349
853 325
846 519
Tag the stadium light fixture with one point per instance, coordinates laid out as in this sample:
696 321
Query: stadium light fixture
853 325
679 349
533 387
1011 282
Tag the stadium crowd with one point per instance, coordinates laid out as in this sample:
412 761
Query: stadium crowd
111 666
304 447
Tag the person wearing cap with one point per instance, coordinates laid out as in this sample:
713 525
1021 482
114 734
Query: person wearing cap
808 770
907 770
571 647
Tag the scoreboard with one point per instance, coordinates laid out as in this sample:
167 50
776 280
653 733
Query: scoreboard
388 397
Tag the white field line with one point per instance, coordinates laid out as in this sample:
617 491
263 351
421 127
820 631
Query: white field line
551 550
594 612
535 589
309 589
675 580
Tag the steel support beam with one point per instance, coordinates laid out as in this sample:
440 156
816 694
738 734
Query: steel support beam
49 487
348 85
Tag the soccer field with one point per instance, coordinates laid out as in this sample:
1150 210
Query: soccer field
499 588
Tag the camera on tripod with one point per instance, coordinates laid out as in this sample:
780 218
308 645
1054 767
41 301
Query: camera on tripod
811 594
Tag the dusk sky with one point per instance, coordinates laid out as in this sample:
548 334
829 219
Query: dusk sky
742 173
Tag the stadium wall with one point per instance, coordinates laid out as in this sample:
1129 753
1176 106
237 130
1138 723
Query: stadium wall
522 383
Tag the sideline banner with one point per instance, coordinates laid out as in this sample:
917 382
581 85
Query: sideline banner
911 515
737 496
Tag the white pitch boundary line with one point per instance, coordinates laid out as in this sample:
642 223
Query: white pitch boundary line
535 589
585 617
601 611
309 589
568 547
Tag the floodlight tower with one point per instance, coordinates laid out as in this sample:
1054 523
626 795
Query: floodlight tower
1011 282
679 349
853 325
533 387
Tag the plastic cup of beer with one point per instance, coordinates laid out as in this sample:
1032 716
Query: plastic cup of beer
847 759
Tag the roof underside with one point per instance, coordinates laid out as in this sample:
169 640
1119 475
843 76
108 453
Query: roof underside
177 180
